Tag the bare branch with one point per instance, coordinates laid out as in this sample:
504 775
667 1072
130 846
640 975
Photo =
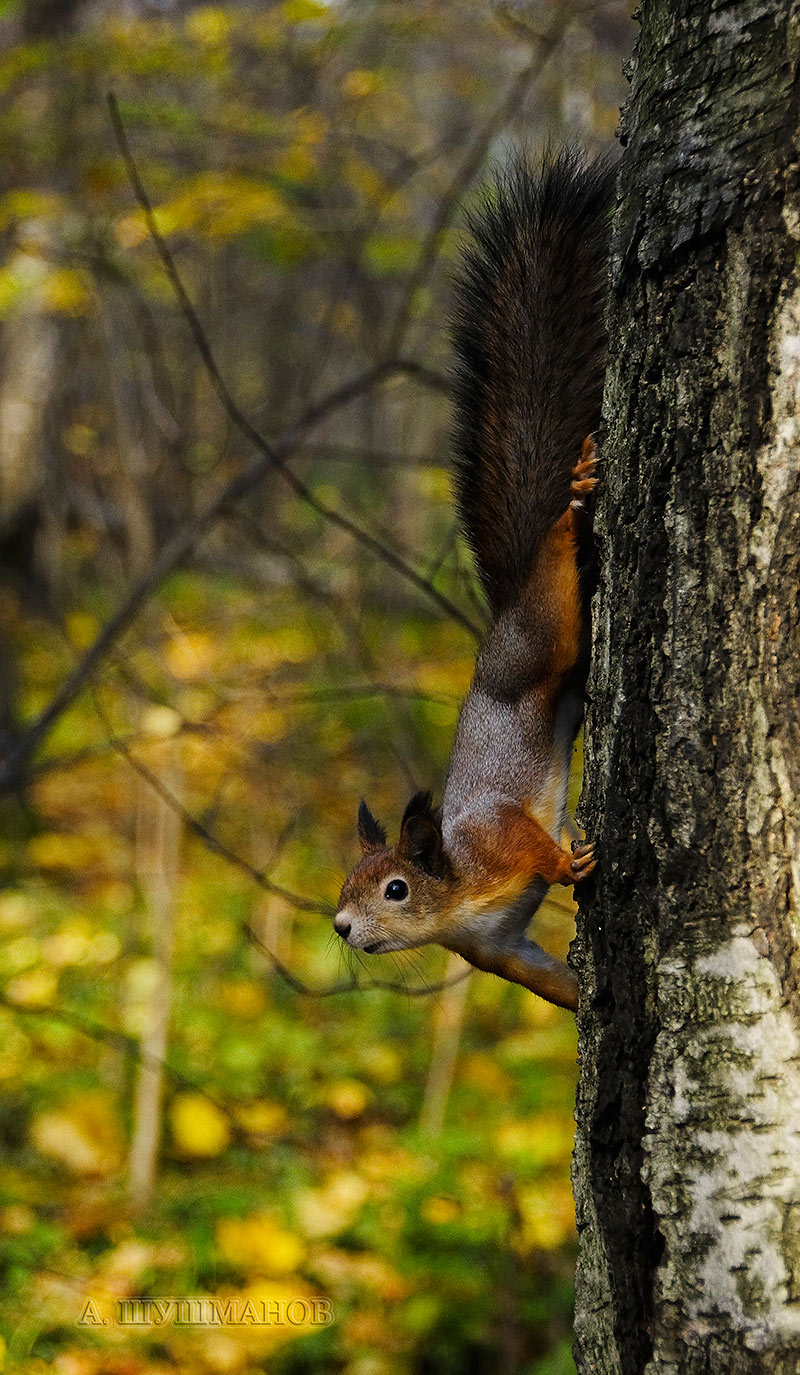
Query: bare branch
213 842
351 985
300 904
184 539
545 44
119 1040
273 455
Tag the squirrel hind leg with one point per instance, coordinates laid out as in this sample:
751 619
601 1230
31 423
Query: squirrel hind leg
584 475
551 607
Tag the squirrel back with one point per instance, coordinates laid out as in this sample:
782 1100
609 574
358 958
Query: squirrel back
529 347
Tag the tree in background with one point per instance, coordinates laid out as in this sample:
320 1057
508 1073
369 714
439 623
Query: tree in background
687 1167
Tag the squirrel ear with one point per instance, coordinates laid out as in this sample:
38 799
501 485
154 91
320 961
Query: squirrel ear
421 836
370 832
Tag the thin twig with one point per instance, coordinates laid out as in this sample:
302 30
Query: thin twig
463 179
213 842
273 454
172 554
184 539
300 904
120 1040
351 985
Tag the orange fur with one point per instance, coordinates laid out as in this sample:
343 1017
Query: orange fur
552 599
509 853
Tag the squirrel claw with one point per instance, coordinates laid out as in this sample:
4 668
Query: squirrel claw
584 860
583 474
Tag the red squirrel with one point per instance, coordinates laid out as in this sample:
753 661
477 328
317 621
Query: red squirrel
529 349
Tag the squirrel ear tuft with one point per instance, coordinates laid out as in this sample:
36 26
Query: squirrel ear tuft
421 836
371 833
421 804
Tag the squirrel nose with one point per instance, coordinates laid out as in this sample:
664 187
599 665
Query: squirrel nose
341 925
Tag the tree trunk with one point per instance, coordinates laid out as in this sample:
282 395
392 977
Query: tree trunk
158 861
687 1161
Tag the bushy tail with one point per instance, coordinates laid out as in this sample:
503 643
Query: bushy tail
530 355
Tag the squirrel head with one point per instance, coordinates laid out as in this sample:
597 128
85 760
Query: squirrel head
395 897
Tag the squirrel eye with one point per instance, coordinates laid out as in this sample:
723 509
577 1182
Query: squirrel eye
396 890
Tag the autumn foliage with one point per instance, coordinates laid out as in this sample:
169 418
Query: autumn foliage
189 1107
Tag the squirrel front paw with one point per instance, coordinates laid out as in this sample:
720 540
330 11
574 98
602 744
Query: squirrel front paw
584 860
584 479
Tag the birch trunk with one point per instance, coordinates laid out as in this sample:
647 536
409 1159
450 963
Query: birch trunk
687 1163
159 835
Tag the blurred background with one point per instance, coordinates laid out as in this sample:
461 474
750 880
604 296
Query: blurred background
199 1096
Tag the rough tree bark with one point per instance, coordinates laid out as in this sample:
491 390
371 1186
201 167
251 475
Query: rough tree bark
687 1164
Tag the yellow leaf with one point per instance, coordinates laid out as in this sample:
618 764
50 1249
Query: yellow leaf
17 1219
29 204
122 1267
359 83
16 910
69 945
297 163
243 998
267 724
218 204
326 1211
383 1063
258 1245
544 1140
392 1164
209 25
347 1097
61 850
346 1271
483 1073
83 1135
103 948
292 645
298 11
160 721
191 655
262 1118
34 988
439 1210
81 628
548 1214
65 291
198 1126
289 1306
20 954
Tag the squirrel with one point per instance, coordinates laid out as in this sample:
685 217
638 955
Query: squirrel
529 346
